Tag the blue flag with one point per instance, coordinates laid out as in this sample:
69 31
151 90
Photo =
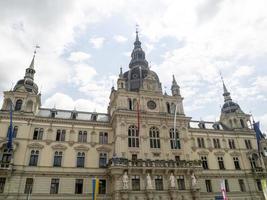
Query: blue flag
10 130
259 135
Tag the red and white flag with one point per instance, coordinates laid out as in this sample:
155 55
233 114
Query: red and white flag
223 190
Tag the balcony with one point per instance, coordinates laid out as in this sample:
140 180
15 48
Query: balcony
5 165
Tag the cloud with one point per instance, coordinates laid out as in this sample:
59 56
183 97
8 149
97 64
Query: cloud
244 71
120 38
83 74
63 101
79 56
97 42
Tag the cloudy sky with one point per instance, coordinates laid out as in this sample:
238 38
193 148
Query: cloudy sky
84 43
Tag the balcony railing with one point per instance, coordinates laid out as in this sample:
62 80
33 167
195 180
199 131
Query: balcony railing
257 170
5 165
124 162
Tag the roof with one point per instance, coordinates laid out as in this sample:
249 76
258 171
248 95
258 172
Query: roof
67 114
206 125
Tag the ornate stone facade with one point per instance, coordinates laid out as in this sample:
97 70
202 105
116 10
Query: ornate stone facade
134 148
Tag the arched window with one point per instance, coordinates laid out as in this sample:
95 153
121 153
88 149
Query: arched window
168 107
38 134
133 136
80 159
242 123
174 139
253 161
130 106
154 137
15 131
18 105
82 136
6 157
58 159
34 158
173 107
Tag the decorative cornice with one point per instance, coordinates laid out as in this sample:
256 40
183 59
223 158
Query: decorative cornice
203 152
219 153
104 148
235 153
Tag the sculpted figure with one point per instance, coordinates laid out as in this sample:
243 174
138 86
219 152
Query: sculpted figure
125 181
193 179
172 180
148 182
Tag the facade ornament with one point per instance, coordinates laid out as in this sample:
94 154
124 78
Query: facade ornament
125 181
148 182
193 180
172 180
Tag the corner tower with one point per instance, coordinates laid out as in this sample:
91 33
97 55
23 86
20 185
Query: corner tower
24 96
232 117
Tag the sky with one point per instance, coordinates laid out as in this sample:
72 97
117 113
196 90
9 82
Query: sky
84 44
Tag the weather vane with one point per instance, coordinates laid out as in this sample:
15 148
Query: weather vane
36 47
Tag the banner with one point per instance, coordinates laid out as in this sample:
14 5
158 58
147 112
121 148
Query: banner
95 185
223 190
264 188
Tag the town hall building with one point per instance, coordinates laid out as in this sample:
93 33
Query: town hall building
144 147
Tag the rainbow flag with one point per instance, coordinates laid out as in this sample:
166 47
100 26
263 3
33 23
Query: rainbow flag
95 184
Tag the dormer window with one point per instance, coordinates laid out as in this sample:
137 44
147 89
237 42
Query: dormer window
53 113
74 115
216 126
94 117
201 125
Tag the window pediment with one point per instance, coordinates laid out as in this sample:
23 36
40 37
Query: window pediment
104 148
235 153
219 153
59 147
81 148
203 152
35 146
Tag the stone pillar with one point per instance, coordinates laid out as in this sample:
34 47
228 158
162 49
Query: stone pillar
124 194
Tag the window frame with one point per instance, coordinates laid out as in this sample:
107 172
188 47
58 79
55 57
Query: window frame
154 137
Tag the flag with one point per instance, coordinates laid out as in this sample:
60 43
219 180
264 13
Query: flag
95 184
264 188
10 130
223 190
259 135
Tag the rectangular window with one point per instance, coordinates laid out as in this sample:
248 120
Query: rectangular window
208 185
2 184
181 183
34 158
79 186
103 138
227 189
201 142
236 163
242 185
103 160
248 144
221 163
28 186
60 135
80 159
102 186
216 143
204 162
54 186
174 139
135 183
231 143
57 159
259 186
159 183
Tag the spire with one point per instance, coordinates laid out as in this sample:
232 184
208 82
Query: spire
138 55
121 75
175 87
226 94
29 73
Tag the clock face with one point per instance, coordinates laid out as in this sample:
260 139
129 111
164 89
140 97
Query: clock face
151 105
